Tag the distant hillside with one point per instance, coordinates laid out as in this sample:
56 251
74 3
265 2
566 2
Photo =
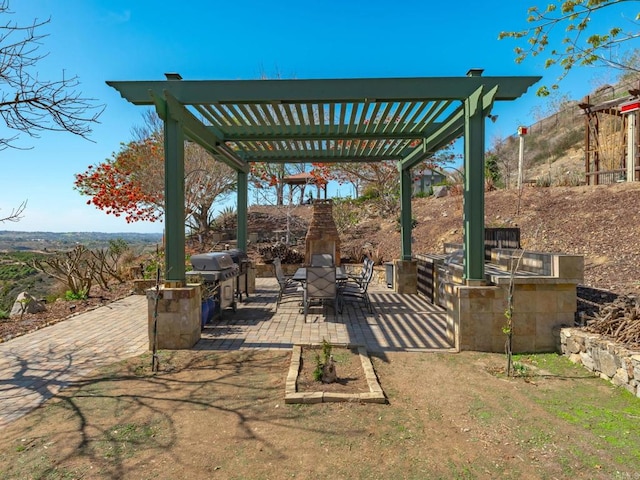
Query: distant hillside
599 222
41 241
554 148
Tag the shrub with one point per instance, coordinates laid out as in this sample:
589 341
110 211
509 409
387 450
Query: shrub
321 362
570 179
544 181
70 295
414 222
345 214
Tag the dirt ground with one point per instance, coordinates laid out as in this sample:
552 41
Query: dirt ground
61 310
348 369
221 415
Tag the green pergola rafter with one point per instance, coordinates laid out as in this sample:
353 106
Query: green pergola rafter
327 121
208 138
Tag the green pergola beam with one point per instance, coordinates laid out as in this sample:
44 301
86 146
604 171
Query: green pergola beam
447 131
195 92
292 132
194 129
308 157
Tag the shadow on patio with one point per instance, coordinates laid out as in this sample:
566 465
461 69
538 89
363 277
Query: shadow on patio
399 323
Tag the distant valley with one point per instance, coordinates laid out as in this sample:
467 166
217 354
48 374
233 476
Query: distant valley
50 241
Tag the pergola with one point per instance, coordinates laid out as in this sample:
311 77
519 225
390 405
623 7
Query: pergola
406 120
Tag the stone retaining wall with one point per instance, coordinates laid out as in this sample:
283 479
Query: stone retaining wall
607 359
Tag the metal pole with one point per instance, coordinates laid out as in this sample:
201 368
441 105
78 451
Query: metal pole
520 161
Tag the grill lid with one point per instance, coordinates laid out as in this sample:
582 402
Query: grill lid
212 261
237 255
211 276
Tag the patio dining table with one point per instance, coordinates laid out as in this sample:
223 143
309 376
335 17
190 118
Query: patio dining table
301 275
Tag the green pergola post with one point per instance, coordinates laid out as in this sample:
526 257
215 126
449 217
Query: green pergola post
405 211
243 188
174 201
474 188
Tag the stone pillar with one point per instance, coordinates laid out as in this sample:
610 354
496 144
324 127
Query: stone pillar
179 316
405 276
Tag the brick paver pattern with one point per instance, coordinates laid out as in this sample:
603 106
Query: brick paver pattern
34 367
398 322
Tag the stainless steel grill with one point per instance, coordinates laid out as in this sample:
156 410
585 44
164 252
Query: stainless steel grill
241 259
218 269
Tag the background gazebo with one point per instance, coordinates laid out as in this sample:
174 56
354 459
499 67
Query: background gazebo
300 181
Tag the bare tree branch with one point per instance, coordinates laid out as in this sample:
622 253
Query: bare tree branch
29 104
16 213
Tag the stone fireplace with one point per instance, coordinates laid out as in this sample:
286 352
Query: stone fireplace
322 235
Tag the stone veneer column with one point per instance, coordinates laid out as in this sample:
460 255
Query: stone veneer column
405 276
251 278
475 315
179 316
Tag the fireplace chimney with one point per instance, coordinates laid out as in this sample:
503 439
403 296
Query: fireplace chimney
322 236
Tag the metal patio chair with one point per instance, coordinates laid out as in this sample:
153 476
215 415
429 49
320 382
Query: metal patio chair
320 284
357 290
284 281
358 278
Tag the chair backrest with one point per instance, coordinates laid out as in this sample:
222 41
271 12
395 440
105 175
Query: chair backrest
321 282
365 266
277 263
367 274
322 260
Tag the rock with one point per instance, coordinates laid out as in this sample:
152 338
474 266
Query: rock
575 358
440 191
25 303
573 346
606 363
329 371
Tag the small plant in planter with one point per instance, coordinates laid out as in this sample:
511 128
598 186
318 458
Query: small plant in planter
325 370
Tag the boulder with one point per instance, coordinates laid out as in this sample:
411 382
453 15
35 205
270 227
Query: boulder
25 303
440 191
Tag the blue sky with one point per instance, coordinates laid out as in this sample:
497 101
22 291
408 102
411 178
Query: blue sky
100 40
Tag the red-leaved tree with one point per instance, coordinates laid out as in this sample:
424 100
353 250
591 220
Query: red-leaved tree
131 183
